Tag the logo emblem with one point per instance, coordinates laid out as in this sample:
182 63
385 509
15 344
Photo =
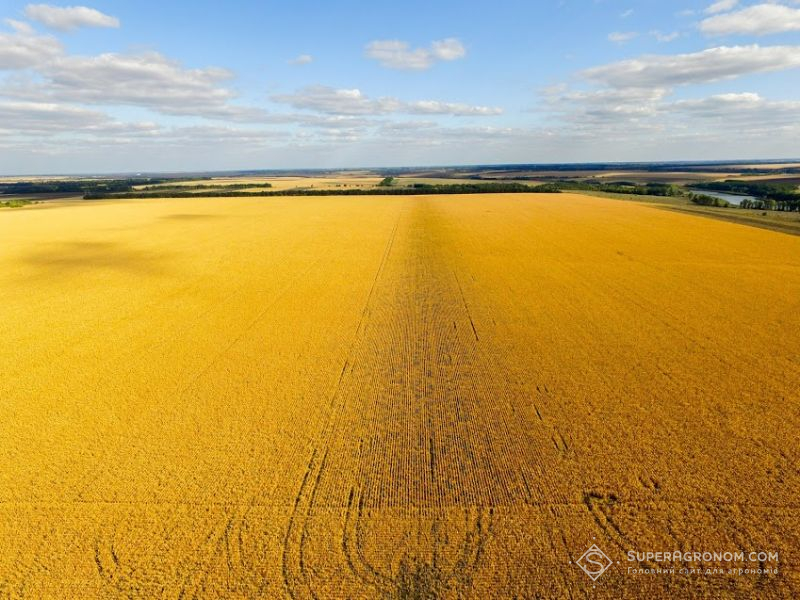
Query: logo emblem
594 562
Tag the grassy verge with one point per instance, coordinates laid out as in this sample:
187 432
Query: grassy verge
15 203
784 222
644 199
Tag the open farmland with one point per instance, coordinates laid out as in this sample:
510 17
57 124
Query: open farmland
281 182
393 397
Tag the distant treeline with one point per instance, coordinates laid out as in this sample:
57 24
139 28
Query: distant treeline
100 187
618 187
201 186
704 200
415 190
77 186
717 166
651 189
771 204
769 196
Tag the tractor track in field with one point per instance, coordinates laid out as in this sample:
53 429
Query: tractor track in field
429 364
293 563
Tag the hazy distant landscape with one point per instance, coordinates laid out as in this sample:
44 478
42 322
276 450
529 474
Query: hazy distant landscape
762 194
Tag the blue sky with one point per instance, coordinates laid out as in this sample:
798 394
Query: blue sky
123 86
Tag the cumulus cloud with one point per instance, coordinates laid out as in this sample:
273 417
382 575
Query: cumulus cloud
713 64
664 37
713 104
213 134
399 127
24 49
605 107
620 37
637 117
334 101
34 118
760 19
69 18
47 75
148 80
396 54
633 97
49 117
44 73
459 109
721 6
19 26
747 111
448 49
302 59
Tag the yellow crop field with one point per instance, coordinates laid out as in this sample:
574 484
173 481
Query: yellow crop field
396 397
286 182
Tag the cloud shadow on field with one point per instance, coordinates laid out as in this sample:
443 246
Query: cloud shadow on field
71 258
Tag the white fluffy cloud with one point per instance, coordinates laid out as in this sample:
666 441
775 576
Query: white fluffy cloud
662 37
760 19
607 107
631 98
713 64
148 80
34 119
747 111
721 6
23 48
302 59
44 117
69 18
714 105
638 116
448 49
620 37
49 76
333 101
395 54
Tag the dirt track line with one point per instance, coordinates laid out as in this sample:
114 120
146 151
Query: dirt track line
466 306
287 560
249 327
300 514
352 550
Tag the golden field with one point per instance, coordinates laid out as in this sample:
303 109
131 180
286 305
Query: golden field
277 183
393 397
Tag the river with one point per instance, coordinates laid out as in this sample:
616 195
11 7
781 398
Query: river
732 198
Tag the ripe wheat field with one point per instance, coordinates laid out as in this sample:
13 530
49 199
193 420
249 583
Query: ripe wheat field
393 397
